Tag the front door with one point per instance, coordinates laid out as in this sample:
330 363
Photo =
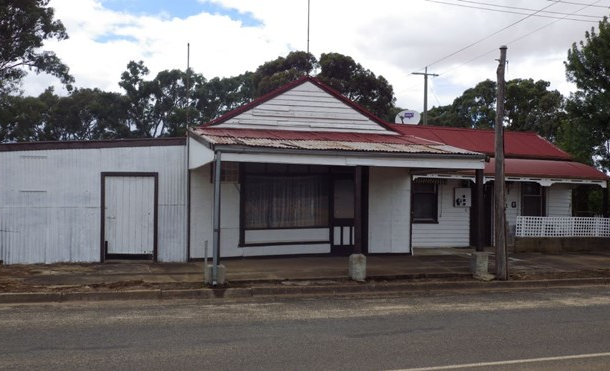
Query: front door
342 215
129 215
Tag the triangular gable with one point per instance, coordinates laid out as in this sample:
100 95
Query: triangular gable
304 105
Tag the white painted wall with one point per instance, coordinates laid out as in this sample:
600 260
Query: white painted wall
513 204
50 201
559 200
453 227
389 210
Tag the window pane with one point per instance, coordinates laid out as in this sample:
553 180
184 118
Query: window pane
254 167
531 199
425 201
277 168
424 206
286 202
532 206
343 207
530 188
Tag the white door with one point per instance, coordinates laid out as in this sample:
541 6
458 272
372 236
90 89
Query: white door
129 215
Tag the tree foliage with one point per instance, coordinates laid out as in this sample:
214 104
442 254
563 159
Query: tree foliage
529 106
24 26
475 108
358 84
588 66
85 114
274 74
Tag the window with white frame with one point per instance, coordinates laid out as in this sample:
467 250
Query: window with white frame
532 199
425 202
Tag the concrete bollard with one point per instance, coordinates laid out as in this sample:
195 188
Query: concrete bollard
220 279
357 267
479 265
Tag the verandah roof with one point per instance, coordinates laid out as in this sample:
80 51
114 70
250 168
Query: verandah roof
335 141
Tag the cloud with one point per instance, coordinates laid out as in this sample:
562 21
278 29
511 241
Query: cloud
391 38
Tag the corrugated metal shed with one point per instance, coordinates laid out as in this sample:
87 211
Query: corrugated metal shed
50 199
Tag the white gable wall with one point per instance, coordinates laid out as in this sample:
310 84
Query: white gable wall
307 108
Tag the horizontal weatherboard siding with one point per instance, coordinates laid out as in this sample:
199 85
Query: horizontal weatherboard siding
305 107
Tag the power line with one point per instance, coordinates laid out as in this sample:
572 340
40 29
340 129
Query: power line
585 6
526 9
517 39
573 3
512 12
487 37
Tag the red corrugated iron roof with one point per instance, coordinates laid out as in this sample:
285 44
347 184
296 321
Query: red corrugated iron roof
516 144
532 168
543 169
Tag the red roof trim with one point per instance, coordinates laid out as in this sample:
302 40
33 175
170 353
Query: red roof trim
292 85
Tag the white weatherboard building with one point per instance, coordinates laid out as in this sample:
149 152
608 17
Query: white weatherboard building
300 171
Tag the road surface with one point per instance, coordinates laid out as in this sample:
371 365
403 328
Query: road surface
554 329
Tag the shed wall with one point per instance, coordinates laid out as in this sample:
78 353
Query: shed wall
50 201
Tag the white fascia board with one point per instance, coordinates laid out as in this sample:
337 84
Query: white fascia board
545 182
376 161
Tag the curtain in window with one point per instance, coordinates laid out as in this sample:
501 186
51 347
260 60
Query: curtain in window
286 202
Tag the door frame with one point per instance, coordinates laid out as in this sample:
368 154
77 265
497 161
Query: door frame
344 247
348 249
103 248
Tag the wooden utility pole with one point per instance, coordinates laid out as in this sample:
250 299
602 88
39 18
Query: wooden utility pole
500 196
425 74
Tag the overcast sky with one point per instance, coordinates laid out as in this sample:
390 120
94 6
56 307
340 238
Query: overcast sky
456 39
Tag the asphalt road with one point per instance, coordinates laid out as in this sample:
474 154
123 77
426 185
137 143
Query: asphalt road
555 329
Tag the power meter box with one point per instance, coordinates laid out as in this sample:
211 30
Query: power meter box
462 197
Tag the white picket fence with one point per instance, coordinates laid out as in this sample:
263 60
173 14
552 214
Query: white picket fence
538 226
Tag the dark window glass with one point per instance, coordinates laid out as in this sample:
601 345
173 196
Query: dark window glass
532 199
425 203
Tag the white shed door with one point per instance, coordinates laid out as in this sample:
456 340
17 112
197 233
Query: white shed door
129 215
